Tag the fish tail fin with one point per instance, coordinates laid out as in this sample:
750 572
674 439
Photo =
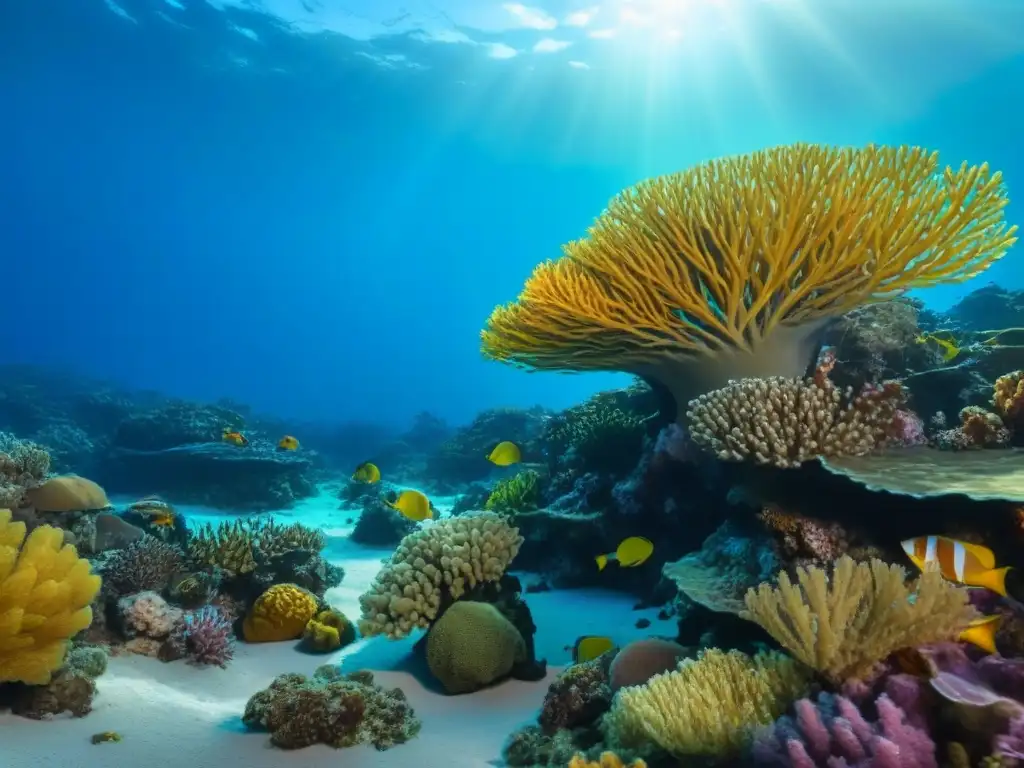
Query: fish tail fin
994 579
982 635
602 561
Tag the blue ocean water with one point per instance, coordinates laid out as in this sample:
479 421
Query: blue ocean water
311 206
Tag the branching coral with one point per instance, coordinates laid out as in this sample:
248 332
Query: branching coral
731 268
23 465
204 637
843 625
786 422
708 706
45 593
519 493
440 561
236 547
147 564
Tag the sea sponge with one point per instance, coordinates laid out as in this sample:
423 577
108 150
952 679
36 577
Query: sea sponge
327 631
730 269
708 706
45 594
443 559
67 493
844 625
280 613
786 422
471 646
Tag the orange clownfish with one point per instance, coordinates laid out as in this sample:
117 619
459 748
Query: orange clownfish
972 565
233 437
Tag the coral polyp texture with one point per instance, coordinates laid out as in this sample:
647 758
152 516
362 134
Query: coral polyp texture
842 624
438 562
731 268
45 593
786 422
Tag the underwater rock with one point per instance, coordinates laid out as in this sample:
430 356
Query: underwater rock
578 696
990 306
379 525
174 424
981 475
333 709
71 690
214 474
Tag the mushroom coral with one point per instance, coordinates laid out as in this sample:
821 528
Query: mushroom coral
731 268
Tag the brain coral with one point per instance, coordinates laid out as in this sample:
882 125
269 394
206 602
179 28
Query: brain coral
471 646
280 613
732 268
448 556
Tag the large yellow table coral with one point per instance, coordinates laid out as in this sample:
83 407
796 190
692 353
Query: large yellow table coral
45 593
730 269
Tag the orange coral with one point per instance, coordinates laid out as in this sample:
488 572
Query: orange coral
280 613
729 269
1008 398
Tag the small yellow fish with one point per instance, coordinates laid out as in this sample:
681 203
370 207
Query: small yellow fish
505 454
366 473
413 505
163 519
589 647
235 438
630 553
945 341
972 565
982 633
287 443
105 737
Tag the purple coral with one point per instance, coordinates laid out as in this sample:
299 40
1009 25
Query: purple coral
832 732
204 637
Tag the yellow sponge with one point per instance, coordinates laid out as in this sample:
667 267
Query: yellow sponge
45 593
280 613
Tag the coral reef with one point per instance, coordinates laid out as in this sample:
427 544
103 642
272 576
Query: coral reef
786 422
578 696
23 465
333 709
519 493
147 564
378 524
656 290
436 563
71 688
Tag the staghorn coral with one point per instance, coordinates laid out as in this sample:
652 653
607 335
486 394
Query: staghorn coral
707 706
333 709
730 269
145 565
45 594
471 646
23 465
844 625
236 547
832 731
280 613
519 493
439 561
786 422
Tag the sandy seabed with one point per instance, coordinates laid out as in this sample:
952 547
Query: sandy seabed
176 715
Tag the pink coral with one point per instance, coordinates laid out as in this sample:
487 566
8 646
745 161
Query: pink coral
148 615
907 429
204 637
832 732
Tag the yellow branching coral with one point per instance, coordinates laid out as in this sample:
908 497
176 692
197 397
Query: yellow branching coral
45 593
727 270
786 422
607 760
710 705
844 625
442 560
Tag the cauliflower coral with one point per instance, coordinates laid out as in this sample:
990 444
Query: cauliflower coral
45 593
443 559
730 269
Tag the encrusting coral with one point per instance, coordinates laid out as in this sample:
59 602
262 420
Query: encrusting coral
731 268
844 625
708 706
439 561
786 422
45 594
